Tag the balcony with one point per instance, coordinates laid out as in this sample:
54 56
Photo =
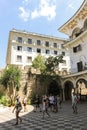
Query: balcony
71 40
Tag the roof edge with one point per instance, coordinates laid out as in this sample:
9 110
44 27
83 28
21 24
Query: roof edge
61 27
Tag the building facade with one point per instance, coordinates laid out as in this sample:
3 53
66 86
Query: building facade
23 47
76 29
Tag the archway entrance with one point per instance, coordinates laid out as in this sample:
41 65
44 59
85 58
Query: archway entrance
69 88
54 88
82 89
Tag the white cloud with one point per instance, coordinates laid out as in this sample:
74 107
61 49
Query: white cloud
26 2
24 14
35 14
47 8
73 4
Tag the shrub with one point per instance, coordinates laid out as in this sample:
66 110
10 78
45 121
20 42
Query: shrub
3 100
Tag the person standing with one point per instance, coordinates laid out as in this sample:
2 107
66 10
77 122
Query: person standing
51 101
37 102
60 101
24 104
55 104
45 107
74 103
17 108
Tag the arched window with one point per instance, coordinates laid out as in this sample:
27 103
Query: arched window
76 32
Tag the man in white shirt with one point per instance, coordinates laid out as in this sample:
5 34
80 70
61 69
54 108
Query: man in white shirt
51 101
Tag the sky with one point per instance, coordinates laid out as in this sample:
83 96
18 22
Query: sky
38 16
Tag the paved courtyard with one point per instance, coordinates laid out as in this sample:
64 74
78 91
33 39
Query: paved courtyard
65 119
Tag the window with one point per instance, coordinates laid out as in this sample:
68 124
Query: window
77 48
20 39
47 51
55 52
62 46
29 59
64 63
19 58
55 45
63 53
29 49
47 44
38 50
29 41
19 48
74 49
80 66
38 42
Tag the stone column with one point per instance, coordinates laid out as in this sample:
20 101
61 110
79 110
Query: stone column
63 94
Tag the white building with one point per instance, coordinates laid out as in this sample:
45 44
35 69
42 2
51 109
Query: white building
76 29
23 47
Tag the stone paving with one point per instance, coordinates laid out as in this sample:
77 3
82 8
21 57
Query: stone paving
65 119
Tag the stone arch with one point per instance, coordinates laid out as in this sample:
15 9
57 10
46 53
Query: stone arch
76 32
54 88
81 86
85 24
68 89
81 77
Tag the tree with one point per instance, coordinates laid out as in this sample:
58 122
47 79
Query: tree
47 67
49 74
11 80
52 63
39 63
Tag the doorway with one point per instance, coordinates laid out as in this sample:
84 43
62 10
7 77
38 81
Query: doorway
54 88
68 90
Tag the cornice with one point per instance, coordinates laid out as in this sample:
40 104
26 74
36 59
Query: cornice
36 34
72 22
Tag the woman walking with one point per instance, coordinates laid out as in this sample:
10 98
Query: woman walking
17 108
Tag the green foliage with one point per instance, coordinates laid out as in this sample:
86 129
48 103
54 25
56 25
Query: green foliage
3 100
1 94
48 67
52 63
48 78
39 63
11 81
32 99
11 76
